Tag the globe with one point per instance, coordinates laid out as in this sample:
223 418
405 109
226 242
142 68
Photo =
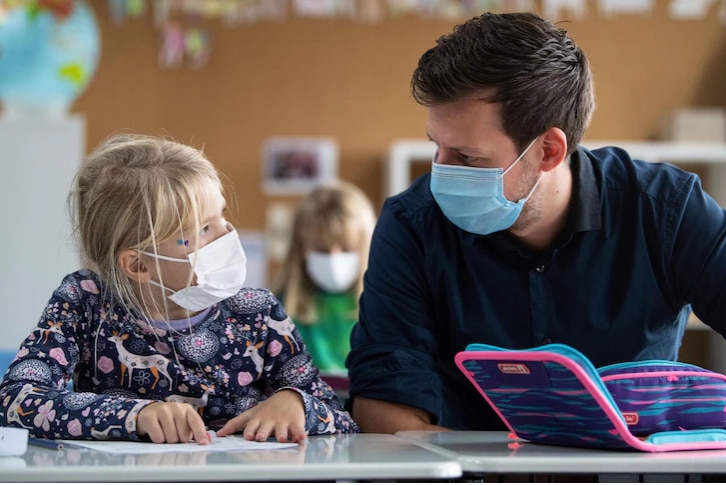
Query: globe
48 54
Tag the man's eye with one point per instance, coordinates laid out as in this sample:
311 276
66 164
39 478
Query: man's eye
467 159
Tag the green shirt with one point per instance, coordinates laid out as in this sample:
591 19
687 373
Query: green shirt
328 339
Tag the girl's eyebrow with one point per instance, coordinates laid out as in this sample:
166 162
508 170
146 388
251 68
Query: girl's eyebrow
209 219
212 217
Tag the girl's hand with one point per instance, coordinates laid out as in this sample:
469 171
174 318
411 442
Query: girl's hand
172 422
282 414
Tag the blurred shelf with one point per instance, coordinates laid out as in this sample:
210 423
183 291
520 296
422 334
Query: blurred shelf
402 153
667 151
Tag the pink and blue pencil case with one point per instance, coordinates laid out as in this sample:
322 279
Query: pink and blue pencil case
554 395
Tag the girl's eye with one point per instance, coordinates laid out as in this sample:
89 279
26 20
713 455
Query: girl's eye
203 230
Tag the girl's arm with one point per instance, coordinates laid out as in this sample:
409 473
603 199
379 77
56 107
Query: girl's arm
294 369
34 395
301 399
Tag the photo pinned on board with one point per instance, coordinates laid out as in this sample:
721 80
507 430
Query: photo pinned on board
296 165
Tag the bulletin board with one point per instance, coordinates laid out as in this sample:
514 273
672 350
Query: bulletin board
350 81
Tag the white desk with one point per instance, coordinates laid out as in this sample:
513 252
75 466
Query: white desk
341 457
493 452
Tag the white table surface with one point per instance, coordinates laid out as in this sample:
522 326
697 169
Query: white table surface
339 457
494 452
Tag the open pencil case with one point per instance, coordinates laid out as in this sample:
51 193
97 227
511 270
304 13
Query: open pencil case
554 395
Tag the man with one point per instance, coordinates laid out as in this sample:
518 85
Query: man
519 237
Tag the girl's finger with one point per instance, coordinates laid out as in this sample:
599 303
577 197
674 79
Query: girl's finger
234 425
168 426
264 430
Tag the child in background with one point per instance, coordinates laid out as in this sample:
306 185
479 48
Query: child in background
158 334
322 275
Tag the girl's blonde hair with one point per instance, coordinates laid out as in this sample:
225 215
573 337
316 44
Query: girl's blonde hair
136 192
338 213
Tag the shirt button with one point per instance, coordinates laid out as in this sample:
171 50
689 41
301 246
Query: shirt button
540 268
547 341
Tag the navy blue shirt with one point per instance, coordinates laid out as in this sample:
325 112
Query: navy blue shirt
643 244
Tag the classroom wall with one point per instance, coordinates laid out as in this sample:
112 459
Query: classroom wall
350 81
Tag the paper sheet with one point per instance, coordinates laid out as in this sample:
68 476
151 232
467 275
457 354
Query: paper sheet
227 443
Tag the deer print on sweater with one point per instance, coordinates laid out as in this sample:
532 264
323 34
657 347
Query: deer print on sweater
284 328
156 364
197 403
15 409
253 352
53 327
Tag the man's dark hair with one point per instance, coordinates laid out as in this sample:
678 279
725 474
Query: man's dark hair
536 71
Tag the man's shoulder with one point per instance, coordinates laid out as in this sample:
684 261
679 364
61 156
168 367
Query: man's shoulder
413 202
619 170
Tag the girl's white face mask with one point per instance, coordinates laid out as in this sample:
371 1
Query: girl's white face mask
333 272
220 268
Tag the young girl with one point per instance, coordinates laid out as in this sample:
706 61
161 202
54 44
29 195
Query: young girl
158 334
322 275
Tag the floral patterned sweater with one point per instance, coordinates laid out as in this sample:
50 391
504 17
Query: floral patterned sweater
243 350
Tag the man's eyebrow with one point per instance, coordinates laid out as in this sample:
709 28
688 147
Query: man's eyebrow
458 149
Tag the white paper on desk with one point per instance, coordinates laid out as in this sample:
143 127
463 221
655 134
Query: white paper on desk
227 443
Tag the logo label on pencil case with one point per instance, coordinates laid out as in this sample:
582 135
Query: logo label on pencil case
631 418
511 368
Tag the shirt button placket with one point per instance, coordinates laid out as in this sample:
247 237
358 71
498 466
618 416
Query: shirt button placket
538 300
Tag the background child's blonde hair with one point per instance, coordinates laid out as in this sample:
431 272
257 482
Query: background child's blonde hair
339 213
135 192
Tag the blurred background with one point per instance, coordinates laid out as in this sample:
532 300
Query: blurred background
260 85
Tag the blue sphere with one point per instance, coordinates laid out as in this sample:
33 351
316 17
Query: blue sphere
47 56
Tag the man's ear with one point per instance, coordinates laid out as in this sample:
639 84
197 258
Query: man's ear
133 267
554 148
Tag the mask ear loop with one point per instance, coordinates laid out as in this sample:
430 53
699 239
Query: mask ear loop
521 155
539 179
185 242
153 329
101 322
95 348
156 257
171 332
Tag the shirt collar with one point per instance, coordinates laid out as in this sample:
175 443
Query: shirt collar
585 205
583 212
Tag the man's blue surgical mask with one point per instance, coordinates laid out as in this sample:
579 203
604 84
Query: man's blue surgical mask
472 198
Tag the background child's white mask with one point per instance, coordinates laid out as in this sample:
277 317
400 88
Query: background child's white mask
220 268
333 272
